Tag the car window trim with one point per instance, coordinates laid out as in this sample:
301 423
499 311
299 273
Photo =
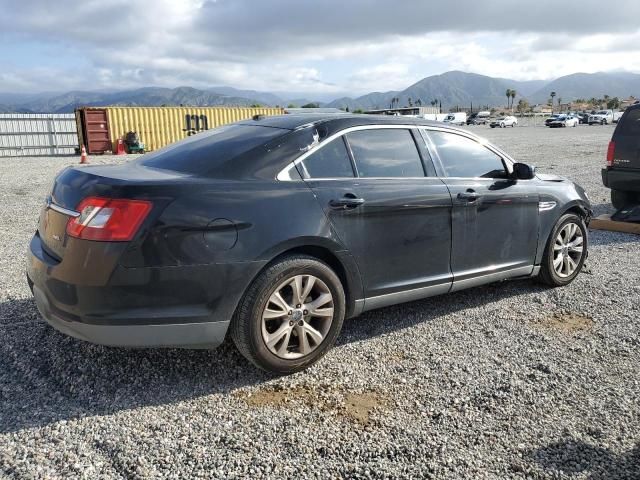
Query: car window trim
441 172
284 175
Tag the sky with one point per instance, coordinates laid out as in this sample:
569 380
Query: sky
321 48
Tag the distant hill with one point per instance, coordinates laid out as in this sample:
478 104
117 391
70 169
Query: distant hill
588 85
451 89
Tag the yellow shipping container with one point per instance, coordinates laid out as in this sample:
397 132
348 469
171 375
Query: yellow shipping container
161 126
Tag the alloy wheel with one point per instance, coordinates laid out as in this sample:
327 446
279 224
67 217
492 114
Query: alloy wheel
297 317
568 249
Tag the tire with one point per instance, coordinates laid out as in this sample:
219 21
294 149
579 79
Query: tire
502 125
549 274
621 199
248 328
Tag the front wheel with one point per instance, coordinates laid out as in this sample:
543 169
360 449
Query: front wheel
565 252
502 125
290 316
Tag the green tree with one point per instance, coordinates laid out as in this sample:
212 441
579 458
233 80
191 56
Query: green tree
291 105
523 106
553 94
508 95
513 97
255 105
311 105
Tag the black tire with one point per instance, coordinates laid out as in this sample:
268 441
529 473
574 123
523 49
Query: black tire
548 275
246 326
621 199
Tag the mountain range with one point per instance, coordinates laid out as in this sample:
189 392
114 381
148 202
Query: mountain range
453 88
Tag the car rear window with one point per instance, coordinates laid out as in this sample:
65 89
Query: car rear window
330 161
631 123
201 153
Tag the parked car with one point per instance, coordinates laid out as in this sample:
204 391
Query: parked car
564 121
601 117
457 118
479 118
622 173
617 116
276 229
550 119
584 118
503 122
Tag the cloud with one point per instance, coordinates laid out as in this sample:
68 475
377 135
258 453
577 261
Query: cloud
323 48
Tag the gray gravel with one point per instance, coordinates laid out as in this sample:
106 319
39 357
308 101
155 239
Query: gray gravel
510 380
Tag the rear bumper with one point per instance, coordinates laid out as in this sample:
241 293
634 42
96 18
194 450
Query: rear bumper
185 335
623 180
179 306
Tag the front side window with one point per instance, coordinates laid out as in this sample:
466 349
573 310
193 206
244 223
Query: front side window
385 152
464 157
330 161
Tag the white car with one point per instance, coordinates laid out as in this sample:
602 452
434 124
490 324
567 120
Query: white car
602 117
565 121
508 121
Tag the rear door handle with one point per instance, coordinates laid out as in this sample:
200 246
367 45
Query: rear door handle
346 202
469 196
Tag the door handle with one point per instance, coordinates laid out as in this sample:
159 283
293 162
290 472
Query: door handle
470 195
349 201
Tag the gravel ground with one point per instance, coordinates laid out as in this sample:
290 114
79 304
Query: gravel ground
510 380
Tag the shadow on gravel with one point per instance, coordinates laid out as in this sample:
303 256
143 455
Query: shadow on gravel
46 376
575 457
379 322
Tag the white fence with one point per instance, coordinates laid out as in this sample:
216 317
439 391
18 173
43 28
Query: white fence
33 134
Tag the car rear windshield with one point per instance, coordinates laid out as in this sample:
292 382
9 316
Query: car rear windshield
631 123
203 152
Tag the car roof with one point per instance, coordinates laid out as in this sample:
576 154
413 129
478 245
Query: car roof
345 120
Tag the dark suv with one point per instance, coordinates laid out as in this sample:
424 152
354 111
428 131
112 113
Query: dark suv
622 174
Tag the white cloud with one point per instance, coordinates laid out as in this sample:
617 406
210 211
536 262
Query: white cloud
316 47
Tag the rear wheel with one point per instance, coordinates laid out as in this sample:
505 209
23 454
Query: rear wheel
565 252
290 316
621 199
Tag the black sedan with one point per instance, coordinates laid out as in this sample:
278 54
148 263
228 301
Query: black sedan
274 230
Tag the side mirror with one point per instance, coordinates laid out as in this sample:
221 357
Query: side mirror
522 171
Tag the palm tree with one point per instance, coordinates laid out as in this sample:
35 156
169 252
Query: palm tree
508 94
410 102
513 97
559 103
553 94
419 102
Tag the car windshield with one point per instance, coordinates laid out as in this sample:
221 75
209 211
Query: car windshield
501 118
602 112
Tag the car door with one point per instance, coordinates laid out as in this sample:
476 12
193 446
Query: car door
388 208
494 219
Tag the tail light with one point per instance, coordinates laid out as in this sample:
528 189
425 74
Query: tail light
108 219
611 151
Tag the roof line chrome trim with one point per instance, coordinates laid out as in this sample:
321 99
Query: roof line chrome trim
284 176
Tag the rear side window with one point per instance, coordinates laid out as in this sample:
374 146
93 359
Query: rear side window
388 152
631 123
464 157
330 161
205 151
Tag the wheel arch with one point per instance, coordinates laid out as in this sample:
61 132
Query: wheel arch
331 253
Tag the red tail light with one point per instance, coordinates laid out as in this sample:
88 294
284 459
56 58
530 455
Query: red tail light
108 219
611 151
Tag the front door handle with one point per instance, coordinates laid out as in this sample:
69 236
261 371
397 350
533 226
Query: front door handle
469 196
349 201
